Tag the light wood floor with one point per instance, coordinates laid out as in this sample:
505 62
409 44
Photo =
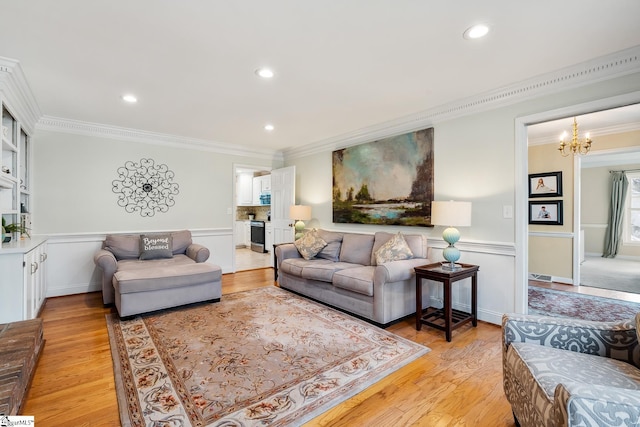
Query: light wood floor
456 384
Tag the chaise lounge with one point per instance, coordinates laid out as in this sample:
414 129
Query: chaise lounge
148 272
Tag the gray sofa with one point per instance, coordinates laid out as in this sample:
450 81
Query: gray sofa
170 271
571 372
345 274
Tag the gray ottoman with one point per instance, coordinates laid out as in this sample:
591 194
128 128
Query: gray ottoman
150 289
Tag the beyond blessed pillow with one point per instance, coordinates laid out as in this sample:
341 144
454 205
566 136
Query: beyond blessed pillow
395 249
310 244
156 246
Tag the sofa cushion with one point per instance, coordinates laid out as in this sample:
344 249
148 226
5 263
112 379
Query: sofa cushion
395 249
181 240
324 272
332 250
310 244
294 266
136 264
539 369
156 246
150 279
123 246
358 279
356 248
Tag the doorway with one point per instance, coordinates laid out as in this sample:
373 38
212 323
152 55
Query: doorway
521 187
251 204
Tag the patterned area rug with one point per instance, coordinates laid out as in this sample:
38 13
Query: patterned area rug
260 357
549 302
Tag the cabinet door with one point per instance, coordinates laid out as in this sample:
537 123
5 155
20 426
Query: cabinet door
31 266
244 189
247 233
268 237
266 183
41 282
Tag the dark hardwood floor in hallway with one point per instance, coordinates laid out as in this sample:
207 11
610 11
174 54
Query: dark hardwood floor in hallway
458 383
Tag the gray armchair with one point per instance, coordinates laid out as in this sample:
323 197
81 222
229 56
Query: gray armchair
571 372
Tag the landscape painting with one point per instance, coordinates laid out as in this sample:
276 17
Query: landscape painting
385 182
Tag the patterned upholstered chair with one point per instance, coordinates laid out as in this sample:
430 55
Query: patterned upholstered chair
570 372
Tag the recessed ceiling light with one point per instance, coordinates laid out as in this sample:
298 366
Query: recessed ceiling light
265 73
476 32
269 127
129 98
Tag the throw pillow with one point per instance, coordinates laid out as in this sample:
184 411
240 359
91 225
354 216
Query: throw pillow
156 246
310 244
395 249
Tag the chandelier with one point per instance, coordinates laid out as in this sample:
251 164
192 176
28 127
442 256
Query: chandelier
576 146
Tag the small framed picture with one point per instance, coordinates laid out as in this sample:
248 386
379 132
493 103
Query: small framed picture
548 184
547 212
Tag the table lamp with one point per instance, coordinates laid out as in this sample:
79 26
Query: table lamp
299 213
451 214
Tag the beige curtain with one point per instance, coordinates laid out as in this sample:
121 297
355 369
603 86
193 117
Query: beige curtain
612 239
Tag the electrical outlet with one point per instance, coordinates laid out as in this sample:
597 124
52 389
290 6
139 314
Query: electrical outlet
228 211
507 211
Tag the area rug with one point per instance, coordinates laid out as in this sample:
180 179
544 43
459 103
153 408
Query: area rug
611 273
549 302
259 357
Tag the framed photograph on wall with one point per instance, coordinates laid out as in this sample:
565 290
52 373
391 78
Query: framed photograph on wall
546 212
548 184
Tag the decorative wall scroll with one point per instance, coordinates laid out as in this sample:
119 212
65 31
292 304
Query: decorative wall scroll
145 187
385 182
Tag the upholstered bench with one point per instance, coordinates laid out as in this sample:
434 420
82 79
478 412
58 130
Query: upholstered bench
139 291
148 272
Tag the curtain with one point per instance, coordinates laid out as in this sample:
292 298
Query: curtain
619 186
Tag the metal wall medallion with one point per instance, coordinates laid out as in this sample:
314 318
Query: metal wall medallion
145 187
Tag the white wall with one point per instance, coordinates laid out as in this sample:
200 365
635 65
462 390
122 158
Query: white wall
73 201
475 158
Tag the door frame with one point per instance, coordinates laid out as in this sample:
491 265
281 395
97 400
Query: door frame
521 186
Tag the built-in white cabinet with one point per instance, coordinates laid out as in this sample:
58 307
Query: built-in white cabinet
268 236
23 286
261 185
242 233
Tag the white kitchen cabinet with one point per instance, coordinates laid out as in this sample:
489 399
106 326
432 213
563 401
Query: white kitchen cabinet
247 233
23 286
261 185
268 237
239 234
244 189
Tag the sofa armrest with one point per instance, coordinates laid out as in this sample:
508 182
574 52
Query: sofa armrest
587 404
396 271
106 261
617 340
287 250
197 252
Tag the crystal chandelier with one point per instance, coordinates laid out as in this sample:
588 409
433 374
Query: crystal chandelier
576 146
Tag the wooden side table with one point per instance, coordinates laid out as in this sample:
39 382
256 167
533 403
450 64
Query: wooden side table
446 318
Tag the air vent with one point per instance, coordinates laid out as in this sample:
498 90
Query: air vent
540 277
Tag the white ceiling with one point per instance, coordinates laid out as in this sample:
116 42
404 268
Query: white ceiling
340 65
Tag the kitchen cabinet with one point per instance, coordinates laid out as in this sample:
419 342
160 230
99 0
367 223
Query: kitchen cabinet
244 189
261 185
242 234
23 287
268 237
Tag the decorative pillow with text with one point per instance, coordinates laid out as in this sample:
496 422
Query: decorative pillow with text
156 246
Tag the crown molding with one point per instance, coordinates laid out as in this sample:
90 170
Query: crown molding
607 67
19 96
57 124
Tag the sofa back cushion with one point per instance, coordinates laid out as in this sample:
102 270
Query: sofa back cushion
356 248
334 242
123 246
417 243
181 240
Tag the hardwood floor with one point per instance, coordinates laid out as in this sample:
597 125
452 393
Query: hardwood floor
456 384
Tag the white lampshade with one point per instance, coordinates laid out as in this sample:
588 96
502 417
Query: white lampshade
300 212
456 214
